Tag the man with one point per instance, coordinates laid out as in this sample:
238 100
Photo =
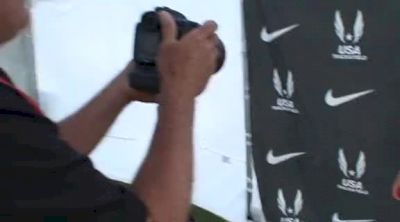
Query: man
45 169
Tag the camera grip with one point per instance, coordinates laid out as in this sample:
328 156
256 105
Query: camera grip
145 79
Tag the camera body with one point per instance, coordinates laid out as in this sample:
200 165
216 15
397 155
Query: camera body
145 77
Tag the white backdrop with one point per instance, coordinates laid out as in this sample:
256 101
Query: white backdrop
80 45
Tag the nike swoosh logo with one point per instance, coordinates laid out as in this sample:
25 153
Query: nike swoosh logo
274 160
270 37
335 218
332 101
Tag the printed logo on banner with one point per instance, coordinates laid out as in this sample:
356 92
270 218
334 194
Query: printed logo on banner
352 178
290 214
338 101
274 160
270 37
284 101
349 49
336 218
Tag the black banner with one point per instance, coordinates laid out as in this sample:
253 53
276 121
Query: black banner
325 108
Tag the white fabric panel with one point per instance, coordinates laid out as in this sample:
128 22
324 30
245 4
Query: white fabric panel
81 45
119 159
16 58
256 209
220 185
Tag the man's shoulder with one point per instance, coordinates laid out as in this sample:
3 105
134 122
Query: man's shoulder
15 99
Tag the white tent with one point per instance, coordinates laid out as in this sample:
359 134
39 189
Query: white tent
80 45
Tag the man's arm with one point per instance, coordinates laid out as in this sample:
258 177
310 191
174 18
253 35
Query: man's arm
165 181
84 129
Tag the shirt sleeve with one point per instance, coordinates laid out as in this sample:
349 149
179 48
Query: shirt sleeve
43 176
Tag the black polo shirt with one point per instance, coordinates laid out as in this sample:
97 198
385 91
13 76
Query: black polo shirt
44 179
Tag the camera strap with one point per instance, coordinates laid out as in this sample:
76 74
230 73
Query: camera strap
27 98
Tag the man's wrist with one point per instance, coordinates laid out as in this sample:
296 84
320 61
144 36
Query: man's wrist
123 92
175 98
177 112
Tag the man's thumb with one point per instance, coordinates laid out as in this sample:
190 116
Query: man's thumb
168 26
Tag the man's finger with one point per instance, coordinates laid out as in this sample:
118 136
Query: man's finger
168 27
208 29
214 39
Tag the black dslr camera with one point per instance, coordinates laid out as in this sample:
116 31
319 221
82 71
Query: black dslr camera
145 77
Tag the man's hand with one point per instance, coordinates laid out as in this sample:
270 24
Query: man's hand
127 92
186 65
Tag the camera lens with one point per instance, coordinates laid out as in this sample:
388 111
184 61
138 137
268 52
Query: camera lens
221 56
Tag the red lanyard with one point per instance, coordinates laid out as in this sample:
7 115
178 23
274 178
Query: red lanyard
24 95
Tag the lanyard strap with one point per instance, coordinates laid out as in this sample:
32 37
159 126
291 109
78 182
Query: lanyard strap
27 98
